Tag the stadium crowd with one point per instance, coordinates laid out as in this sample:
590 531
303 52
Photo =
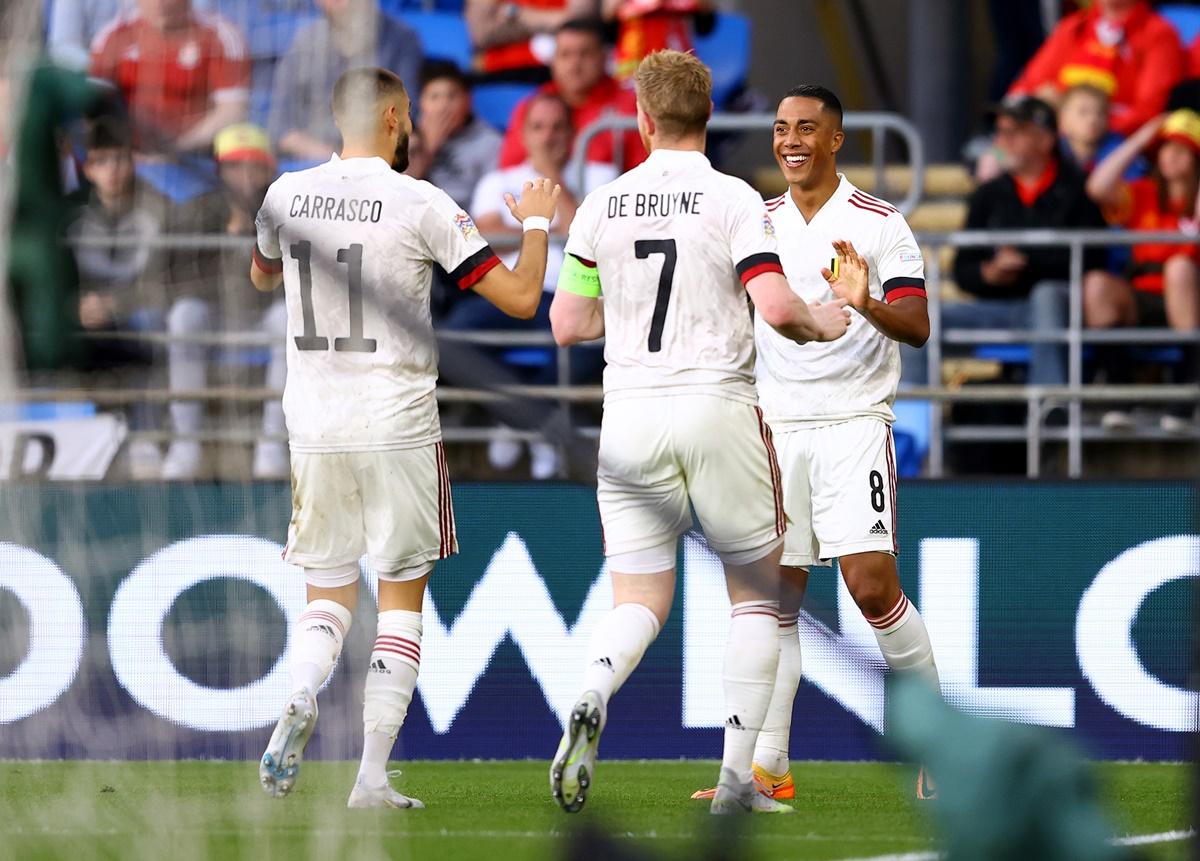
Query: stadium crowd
206 101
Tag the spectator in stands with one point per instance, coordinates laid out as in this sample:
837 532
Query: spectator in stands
212 293
578 76
1084 136
450 146
120 286
514 39
184 75
546 134
646 26
351 33
1162 287
74 24
1194 59
1120 46
1021 288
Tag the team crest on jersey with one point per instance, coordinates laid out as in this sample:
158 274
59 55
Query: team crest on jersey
465 224
768 227
189 55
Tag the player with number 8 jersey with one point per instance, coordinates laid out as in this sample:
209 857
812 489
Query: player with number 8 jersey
354 242
662 262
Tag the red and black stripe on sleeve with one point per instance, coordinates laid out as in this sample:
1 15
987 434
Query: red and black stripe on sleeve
468 273
898 288
757 264
270 265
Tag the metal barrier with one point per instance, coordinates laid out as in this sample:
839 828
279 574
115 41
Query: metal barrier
1037 398
877 122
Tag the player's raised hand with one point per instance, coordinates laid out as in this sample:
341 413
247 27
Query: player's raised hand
832 318
850 281
539 197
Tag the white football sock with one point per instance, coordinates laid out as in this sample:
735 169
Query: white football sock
618 642
391 678
751 660
905 642
317 642
771 751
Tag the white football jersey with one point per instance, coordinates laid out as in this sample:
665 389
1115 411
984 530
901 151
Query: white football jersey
856 375
356 243
674 241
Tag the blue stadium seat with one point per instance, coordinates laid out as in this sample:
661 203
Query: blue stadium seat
1008 354
727 51
911 436
179 183
443 34
494 103
37 411
1185 19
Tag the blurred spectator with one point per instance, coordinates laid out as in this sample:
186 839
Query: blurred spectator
1162 287
351 33
547 134
120 286
184 75
646 26
213 293
74 24
1194 59
1083 127
1021 288
515 40
450 146
578 76
1120 46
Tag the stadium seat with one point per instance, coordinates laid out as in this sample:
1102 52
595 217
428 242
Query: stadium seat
494 103
727 51
1184 18
443 35
179 182
910 434
41 411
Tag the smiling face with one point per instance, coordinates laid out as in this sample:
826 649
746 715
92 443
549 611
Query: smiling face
806 140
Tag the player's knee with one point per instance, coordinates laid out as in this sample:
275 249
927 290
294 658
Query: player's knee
874 590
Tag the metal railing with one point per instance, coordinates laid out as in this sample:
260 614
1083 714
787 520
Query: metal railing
877 122
1038 399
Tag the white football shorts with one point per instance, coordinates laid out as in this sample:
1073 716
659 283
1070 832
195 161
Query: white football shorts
395 506
839 490
656 453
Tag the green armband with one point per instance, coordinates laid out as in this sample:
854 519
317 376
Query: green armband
578 278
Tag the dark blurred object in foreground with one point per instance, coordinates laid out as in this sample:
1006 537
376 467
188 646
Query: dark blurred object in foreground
1006 791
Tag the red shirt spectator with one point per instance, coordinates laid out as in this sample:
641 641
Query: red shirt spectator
184 75
514 39
579 79
1119 46
1194 60
646 26
1140 209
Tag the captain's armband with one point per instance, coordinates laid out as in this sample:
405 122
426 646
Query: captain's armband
579 277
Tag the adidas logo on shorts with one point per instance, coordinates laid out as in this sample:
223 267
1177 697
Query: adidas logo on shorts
879 528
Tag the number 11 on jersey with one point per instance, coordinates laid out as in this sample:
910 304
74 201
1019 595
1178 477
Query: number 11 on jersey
309 339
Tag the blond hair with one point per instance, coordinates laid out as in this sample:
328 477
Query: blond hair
675 89
357 97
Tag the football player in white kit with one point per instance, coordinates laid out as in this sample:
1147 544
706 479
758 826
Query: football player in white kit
353 241
830 405
660 262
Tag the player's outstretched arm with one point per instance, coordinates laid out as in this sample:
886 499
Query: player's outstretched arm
905 319
518 291
787 313
577 312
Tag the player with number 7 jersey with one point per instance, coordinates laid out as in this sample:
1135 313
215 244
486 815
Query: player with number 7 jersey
354 242
663 262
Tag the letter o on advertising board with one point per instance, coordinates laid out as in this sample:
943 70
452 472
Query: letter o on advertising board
142 603
1104 633
56 632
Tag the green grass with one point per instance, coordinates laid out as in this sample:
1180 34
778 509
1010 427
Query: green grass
485 811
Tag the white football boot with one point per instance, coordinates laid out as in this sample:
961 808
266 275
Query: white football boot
732 797
280 765
574 768
365 797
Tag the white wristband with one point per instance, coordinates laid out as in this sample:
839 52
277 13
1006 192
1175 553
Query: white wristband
535 222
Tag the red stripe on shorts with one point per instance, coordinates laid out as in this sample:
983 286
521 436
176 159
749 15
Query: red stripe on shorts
891 461
764 431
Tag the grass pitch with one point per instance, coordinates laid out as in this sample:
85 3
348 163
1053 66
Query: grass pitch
489 811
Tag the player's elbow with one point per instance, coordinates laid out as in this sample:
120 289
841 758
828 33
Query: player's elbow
526 306
918 336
